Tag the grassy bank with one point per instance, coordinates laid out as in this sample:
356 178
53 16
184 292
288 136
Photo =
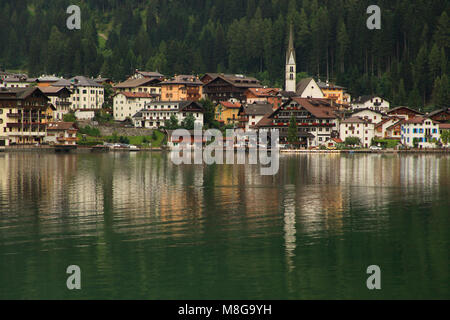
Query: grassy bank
155 141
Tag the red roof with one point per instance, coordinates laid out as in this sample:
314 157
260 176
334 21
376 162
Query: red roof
337 140
445 126
230 105
264 92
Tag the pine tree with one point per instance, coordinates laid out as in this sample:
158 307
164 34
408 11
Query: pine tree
292 137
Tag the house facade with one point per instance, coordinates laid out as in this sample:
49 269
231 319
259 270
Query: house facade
227 112
60 99
371 102
404 113
127 104
86 93
61 134
334 92
182 88
420 132
359 128
251 114
369 114
308 88
316 121
156 113
225 87
140 85
23 118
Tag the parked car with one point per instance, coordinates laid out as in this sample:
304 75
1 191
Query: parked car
376 148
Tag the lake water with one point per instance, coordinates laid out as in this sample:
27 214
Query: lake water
140 227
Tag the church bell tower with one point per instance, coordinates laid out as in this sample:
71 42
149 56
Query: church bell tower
291 65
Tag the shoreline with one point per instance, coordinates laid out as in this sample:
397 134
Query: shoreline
83 149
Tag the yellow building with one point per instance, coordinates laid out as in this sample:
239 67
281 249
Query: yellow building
334 92
182 88
227 112
23 116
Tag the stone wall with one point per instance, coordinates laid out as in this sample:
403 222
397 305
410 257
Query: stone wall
109 129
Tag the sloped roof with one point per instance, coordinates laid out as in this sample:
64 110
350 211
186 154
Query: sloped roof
403 107
134 83
61 126
134 95
319 108
230 105
263 92
302 85
329 85
184 79
258 109
355 120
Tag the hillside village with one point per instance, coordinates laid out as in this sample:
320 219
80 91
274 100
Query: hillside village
324 115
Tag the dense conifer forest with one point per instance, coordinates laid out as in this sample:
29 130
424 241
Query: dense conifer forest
407 61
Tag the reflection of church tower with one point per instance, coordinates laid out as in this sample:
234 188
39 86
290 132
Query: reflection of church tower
291 67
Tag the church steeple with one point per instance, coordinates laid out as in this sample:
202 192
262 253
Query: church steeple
291 66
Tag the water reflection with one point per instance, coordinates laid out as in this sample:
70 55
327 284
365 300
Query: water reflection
229 217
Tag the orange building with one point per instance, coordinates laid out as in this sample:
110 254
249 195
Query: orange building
334 92
182 88
264 95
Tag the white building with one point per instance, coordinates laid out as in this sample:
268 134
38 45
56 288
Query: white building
250 115
61 133
371 102
86 93
60 99
369 114
156 113
140 85
421 132
358 128
308 88
291 65
18 81
127 104
385 128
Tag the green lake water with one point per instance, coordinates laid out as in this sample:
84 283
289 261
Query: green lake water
140 227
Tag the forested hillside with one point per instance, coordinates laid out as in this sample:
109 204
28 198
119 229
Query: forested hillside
406 61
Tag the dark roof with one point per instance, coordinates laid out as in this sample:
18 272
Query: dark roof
237 80
134 83
302 85
403 107
436 112
364 99
329 85
150 74
77 81
319 108
257 109
184 79
19 93
51 90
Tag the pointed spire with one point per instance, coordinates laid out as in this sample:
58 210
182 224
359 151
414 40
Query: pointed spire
291 48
